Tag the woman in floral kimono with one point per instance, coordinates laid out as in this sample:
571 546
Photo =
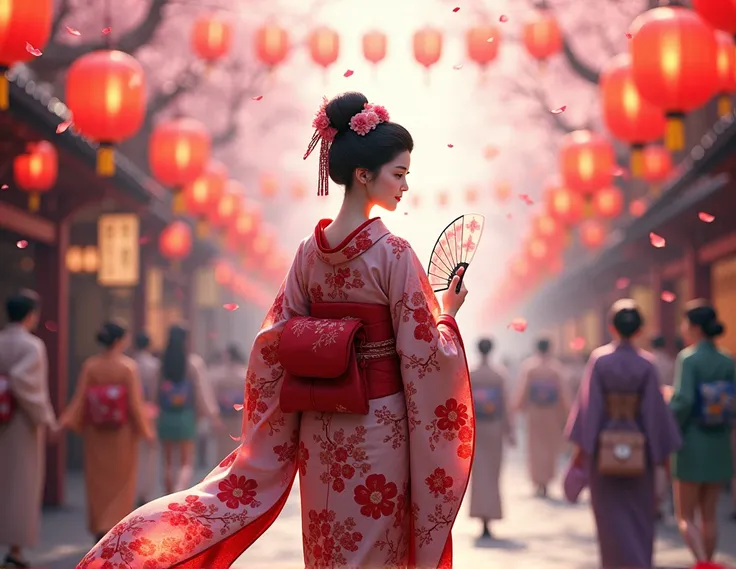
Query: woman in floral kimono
384 471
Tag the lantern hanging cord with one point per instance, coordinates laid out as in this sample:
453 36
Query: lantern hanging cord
107 21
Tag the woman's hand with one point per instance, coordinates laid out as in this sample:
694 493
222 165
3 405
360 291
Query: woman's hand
667 392
452 301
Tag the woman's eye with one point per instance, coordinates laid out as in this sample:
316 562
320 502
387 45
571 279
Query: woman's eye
399 176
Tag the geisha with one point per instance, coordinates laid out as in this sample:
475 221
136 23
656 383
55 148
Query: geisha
357 382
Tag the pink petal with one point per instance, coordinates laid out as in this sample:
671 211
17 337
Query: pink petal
51 326
458 66
72 31
235 438
33 51
629 36
230 307
503 19
348 73
456 9
22 244
258 98
657 241
706 217
450 146
238 407
559 111
618 171
622 283
62 127
668 296
4 187
518 324
526 199
106 31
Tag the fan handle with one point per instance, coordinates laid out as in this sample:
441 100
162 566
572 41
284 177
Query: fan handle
463 266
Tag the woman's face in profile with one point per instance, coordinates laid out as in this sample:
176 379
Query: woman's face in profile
387 189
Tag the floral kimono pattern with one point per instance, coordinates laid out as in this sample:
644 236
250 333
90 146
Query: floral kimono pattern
377 490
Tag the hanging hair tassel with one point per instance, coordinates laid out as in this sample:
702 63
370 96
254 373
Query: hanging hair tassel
323 178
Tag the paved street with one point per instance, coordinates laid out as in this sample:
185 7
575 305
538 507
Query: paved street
536 533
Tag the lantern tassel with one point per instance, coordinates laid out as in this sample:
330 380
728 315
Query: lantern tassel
675 133
202 229
588 209
106 161
724 105
567 236
636 161
178 202
4 91
34 202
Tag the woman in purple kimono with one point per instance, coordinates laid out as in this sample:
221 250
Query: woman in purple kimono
623 507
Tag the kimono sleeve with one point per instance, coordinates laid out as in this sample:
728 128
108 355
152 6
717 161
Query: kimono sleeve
439 408
29 384
587 414
683 397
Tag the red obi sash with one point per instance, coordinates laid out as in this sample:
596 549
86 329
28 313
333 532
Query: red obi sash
107 405
7 401
339 358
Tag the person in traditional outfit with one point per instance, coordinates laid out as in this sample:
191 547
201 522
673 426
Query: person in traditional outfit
26 415
665 365
544 398
184 396
383 456
149 454
702 401
108 411
620 390
227 382
493 427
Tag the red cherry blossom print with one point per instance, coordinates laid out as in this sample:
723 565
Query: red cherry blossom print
376 497
33 51
706 217
438 482
348 73
518 324
559 111
657 240
72 31
452 415
230 307
668 296
236 491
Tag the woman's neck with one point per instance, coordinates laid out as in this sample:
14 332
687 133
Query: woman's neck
355 208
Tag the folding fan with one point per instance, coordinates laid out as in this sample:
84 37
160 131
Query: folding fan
455 248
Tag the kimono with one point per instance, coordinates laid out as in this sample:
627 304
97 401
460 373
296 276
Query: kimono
148 450
705 456
110 455
227 384
23 440
493 425
623 508
377 490
545 423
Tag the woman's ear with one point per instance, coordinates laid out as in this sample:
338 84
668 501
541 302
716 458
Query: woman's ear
362 175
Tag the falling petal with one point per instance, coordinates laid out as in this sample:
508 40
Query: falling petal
72 31
622 283
4 187
22 244
668 296
406 213
629 36
618 171
526 199
458 66
238 406
706 217
258 98
62 127
503 19
348 73
577 344
33 51
51 326
450 146
235 438
106 31
518 324
559 111
231 307
657 240
490 39
457 9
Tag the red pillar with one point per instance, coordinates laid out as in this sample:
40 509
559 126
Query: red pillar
53 286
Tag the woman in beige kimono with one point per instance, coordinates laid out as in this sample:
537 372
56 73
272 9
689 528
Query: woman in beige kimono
107 410
544 398
228 380
493 425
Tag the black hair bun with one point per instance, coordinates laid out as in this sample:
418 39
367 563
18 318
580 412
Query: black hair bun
344 107
105 338
713 328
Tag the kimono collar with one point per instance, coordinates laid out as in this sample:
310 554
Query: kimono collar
354 245
706 345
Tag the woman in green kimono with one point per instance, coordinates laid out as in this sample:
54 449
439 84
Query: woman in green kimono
704 387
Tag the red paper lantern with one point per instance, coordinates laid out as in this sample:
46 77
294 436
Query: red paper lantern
175 241
586 161
480 49
269 186
245 225
546 227
212 37
106 92
721 14
203 194
374 46
228 206
471 196
608 202
627 116
298 190
22 22
657 164
178 153
726 72
324 46
592 233
675 64
36 171
272 44
564 205
542 36
442 199
427 46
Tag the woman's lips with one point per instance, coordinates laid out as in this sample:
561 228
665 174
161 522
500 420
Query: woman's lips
398 199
